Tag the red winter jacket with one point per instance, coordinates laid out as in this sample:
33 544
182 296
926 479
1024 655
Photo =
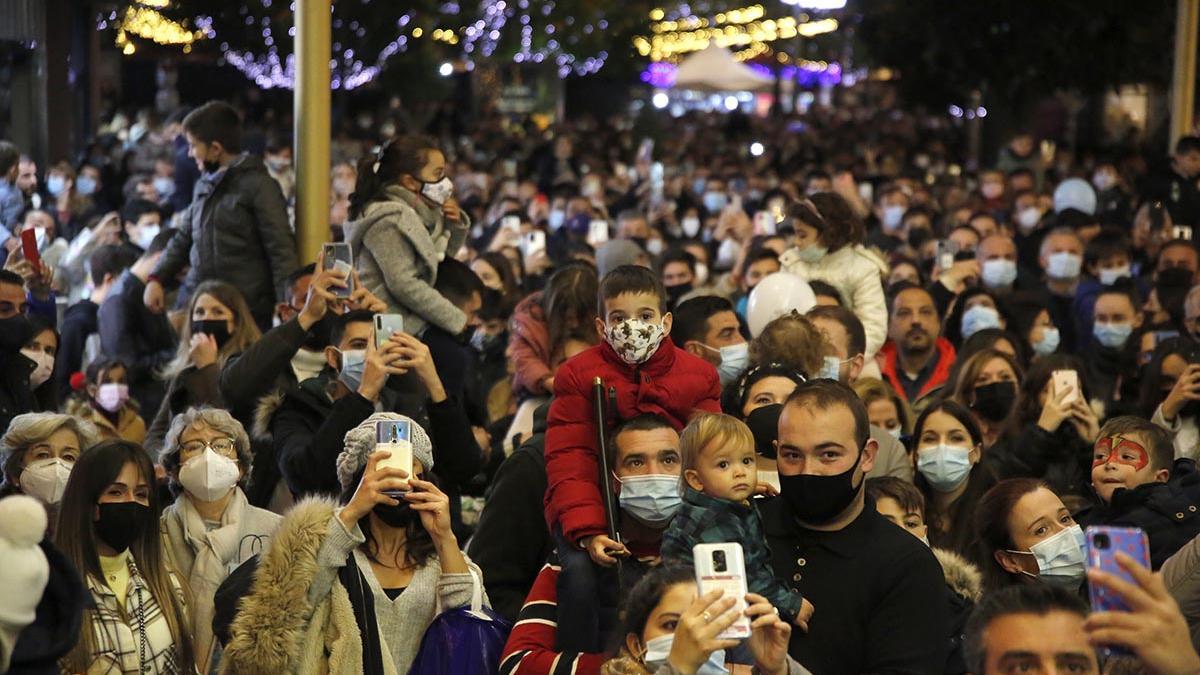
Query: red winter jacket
888 357
672 383
529 347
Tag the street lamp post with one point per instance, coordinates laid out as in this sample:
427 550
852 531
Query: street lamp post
312 101
1183 80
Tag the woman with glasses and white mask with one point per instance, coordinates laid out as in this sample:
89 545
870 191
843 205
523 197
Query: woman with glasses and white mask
39 450
211 528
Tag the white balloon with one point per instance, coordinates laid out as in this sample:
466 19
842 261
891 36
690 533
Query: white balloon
1075 193
776 295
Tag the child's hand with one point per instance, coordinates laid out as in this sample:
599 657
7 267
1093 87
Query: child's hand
803 616
766 490
599 548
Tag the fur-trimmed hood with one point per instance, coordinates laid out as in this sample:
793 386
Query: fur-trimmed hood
962 577
263 412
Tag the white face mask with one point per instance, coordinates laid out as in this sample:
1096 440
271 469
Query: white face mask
634 340
1060 558
831 368
146 235
439 191
691 226
1028 218
45 479
701 274
1110 276
659 649
1063 265
45 366
999 273
945 467
896 433
734 360
209 476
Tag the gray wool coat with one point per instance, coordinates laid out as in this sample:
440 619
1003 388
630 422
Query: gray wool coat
397 245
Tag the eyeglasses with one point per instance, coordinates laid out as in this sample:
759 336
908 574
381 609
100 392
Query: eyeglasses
221 446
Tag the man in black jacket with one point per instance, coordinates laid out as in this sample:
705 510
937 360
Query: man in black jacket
141 339
876 588
236 229
1174 183
81 320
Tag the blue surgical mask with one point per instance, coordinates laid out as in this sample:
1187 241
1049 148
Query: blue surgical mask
715 201
1049 342
812 254
998 273
659 649
698 185
1060 558
734 359
1063 265
86 185
892 218
556 219
164 186
831 368
652 499
1112 334
691 226
354 362
1110 276
944 467
55 185
978 318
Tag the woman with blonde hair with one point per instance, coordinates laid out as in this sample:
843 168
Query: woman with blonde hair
211 528
137 616
39 451
218 325
885 408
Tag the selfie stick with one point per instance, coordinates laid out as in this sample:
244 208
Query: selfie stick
606 491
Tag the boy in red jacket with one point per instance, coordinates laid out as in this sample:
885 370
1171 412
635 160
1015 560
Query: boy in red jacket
650 375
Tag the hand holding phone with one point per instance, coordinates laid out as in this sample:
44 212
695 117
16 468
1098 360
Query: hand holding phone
597 233
764 223
533 242
1064 380
721 567
1103 543
385 326
29 249
395 437
337 256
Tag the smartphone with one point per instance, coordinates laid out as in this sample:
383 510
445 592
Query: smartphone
511 223
1062 380
395 436
385 325
30 250
597 232
1102 543
532 242
867 192
722 567
764 223
1182 232
337 257
946 250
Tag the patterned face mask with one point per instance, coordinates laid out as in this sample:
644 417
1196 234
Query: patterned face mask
634 340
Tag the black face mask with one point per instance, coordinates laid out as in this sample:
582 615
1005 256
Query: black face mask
398 516
218 329
121 523
211 166
764 424
15 332
674 293
820 499
994 401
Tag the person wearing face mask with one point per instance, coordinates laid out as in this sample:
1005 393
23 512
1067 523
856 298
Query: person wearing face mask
211 528
218 325
384 554
278 160
890 208
678 271
107 403
987 385
1112 200
826 537
39 450
239 232
758 263
16 331
41 350
1170 391
1111 355
1060 257
404 221
950 473
141 222
829 237
1173 182
343 177
137 619
1027 535
1051 431
1107 261
997 257
707 327
975 310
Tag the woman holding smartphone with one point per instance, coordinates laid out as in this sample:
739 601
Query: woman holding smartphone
218 325
404 221
377 568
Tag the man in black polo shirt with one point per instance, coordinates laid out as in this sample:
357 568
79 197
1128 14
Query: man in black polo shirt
877 589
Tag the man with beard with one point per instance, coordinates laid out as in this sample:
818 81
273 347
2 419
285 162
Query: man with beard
914 360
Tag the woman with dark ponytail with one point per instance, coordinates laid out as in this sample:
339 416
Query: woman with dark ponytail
404 221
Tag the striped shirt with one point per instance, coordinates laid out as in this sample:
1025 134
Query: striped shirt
530 648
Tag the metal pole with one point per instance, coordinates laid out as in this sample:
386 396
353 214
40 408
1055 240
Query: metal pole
1183 80
312 101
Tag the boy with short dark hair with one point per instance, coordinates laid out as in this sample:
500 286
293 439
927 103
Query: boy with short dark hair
647 374
1141 484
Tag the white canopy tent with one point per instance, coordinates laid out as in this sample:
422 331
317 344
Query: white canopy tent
715 69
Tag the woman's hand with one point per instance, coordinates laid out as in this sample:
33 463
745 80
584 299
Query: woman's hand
1083 418
375 370
434 508
769 636
414 355
1154 629
697 630
362 298
370 490
108 230
451 210
203 350
1186 389
320 298
1056 410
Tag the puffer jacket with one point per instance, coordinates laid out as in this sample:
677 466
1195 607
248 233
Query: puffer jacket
529 348
672 383
236 230
397 245
856 274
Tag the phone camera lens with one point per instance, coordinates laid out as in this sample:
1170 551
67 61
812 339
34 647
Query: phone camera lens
719 564
1101 541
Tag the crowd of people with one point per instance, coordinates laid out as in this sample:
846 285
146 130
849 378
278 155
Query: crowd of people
898 388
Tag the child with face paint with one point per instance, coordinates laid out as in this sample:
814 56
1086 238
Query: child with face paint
1140 484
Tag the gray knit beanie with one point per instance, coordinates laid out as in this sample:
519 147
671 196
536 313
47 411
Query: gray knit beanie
360 442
